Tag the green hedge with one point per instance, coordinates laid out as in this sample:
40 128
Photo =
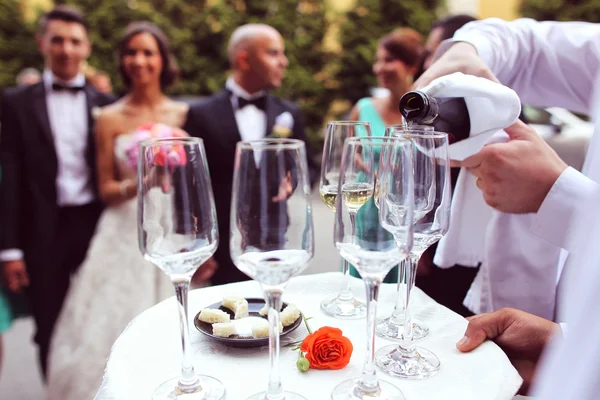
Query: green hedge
562 10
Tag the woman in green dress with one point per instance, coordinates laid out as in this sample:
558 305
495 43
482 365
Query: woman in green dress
399 55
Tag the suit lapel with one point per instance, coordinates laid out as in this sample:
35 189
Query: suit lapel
272 110
40 108
91 99
226 119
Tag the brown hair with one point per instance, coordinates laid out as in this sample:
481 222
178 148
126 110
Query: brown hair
170 71
404 44
62 13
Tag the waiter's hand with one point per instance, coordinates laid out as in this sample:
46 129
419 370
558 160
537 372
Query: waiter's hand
520 335
461 57
15 275
515 177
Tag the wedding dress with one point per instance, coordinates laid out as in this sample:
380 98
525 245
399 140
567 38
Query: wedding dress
113 285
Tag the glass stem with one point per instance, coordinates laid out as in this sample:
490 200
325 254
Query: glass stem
410 276
352 216
346 293
188 380
368 380
275 390
398 313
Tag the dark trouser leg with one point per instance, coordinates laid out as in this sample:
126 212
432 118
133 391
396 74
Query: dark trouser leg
227 271
50 278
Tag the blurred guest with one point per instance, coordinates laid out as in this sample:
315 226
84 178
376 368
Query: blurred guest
396 62
101 81
441 30
115 283
28 76
244 110
48 200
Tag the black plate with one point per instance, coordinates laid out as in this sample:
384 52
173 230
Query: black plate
254 306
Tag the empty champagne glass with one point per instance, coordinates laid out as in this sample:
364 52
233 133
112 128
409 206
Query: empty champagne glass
342 304
177 231
272 236
392 327
373 251
431 219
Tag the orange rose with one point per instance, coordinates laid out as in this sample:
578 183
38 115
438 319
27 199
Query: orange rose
327 349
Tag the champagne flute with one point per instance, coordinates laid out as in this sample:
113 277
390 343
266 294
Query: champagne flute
373 251
272 236
177 231
342 304
432 180
392 327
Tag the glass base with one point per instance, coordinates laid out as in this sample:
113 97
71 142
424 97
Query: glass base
389 330
208 389
351 390
286 396
417 364
344 308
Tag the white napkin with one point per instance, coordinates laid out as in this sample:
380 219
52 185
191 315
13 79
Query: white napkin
519 269
492 107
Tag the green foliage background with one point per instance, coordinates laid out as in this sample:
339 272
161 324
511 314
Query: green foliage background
562 10
317 77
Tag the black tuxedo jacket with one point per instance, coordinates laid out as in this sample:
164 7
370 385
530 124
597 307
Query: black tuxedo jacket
213 120
28 208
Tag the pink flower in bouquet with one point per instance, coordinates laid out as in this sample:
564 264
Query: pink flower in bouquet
166 155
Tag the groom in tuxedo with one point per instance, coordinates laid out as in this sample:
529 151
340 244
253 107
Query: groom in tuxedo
244 110
48 201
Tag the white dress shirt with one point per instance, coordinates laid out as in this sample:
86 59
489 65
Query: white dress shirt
68 117
557 64
251 121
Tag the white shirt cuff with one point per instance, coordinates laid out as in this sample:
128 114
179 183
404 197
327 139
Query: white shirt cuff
557 219
11 255
563 328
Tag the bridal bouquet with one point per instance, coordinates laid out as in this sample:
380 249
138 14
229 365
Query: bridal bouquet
168 155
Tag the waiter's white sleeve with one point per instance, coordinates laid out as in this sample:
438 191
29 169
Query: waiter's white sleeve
571 367
560 217
546 63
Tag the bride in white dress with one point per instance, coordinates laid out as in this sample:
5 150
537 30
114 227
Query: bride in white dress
115 283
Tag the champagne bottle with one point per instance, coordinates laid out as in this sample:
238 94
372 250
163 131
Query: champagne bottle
449 115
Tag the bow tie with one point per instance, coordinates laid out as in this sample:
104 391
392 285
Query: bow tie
259 102
59 87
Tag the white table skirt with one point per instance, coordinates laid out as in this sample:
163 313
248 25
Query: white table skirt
148 352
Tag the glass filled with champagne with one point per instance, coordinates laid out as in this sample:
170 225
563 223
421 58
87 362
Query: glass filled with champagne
368 245
342 304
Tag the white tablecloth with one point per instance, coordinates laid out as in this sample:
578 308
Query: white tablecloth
148 352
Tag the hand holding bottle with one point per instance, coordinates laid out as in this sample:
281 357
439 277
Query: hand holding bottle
515 177
461 57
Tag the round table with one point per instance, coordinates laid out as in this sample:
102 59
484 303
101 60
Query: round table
148 352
